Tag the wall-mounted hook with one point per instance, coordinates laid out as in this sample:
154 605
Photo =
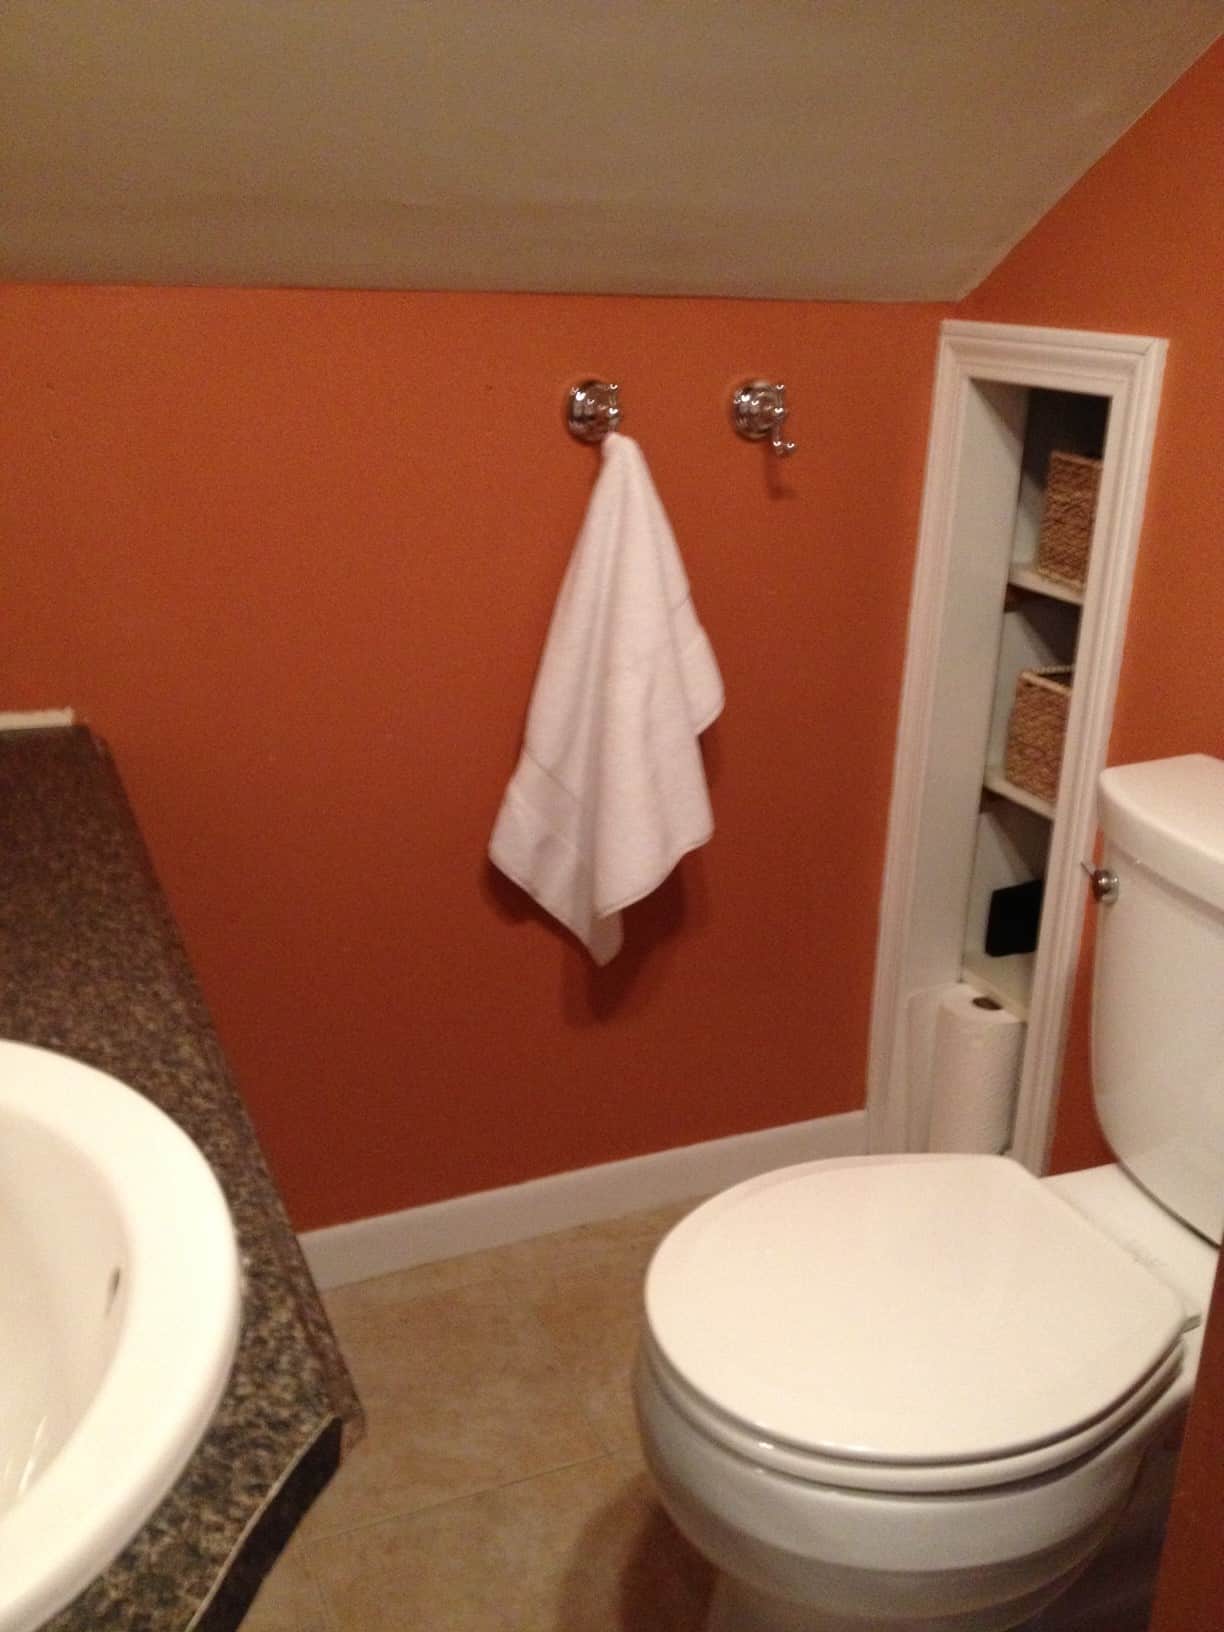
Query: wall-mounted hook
758 410
592 410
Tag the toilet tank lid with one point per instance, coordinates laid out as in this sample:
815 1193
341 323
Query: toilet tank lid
1169 815
906 1309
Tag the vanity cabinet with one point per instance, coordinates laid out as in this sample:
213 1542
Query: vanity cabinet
97 972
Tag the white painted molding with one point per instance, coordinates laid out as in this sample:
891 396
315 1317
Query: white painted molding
1124 477
493 1218
1127 370
38 719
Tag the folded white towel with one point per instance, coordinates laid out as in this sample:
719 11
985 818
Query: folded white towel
610 791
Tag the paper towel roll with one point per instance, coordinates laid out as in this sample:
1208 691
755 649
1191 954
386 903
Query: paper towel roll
975 1069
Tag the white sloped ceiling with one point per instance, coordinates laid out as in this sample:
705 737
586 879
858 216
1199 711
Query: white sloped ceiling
829 149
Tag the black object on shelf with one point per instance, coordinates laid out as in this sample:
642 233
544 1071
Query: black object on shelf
1014 919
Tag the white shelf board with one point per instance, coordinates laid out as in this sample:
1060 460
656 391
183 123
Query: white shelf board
1025 577
1008 980
996 782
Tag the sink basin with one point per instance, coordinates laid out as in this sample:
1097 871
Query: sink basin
119 1309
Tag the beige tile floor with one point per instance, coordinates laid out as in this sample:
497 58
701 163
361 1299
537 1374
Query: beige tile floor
499 1487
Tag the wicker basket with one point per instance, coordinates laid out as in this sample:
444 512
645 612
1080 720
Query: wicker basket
1038 726
1067 518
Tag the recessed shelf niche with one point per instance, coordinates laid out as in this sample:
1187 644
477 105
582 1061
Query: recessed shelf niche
1039 624
982 612
1012 846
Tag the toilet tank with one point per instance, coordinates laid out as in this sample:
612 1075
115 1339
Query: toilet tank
1158 997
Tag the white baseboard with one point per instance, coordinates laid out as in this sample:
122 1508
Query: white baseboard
36 719
493 1218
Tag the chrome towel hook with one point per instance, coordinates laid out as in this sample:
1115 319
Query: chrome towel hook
592 410
758 410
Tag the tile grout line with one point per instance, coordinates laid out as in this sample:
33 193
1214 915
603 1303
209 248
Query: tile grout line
311 1542
569 1380
330 1623
530 1282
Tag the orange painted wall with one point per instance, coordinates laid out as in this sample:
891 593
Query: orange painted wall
1137 246
1191 1585
293 554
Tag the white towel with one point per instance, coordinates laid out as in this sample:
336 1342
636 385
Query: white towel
610 791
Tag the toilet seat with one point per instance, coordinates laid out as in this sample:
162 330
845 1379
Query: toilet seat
914 1323
904 1479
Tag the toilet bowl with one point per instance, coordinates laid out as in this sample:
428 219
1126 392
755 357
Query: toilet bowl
955 1459
913 1393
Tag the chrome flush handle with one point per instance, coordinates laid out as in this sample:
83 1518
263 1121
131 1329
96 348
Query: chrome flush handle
1103 883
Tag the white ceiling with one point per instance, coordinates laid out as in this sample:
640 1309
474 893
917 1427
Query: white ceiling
879 149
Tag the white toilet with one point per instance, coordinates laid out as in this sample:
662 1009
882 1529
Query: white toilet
915 1392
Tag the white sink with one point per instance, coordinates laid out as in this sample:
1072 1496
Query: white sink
119 1308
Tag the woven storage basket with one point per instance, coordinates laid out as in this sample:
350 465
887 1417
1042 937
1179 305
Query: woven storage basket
1067 518
1038 726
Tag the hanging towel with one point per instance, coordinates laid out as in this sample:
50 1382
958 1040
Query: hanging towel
610 791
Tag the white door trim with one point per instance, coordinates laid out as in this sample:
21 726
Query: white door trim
1127 370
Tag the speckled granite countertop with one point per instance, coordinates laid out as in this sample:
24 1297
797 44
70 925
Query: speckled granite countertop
91 964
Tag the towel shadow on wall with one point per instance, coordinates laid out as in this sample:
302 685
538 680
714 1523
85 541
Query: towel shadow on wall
776 484
590 994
